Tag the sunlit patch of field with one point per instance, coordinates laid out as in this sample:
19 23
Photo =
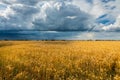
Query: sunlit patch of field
59 60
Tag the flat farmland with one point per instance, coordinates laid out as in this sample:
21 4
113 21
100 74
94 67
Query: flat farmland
59 60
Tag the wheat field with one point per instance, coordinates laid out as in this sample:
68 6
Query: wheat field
59 60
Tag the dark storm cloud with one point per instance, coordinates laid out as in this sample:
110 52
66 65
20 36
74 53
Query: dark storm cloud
67 17
45 15
59 15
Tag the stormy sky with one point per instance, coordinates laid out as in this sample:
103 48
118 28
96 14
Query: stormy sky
60 15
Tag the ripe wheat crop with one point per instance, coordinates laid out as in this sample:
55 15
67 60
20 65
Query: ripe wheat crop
59 60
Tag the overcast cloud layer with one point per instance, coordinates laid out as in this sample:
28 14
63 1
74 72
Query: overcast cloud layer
60 15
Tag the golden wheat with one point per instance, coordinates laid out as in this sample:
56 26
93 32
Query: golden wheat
59 60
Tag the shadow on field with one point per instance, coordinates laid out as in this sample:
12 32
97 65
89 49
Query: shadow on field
3 44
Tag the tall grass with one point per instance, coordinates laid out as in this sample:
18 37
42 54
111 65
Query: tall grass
60 60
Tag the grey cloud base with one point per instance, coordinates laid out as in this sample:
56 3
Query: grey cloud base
53 35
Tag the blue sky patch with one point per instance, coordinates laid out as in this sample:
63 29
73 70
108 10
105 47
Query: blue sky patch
2 7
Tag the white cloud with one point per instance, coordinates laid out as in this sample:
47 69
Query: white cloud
86 36
6 11
71 17
67 17
113 27
45 15
97 9
58 14
83 5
